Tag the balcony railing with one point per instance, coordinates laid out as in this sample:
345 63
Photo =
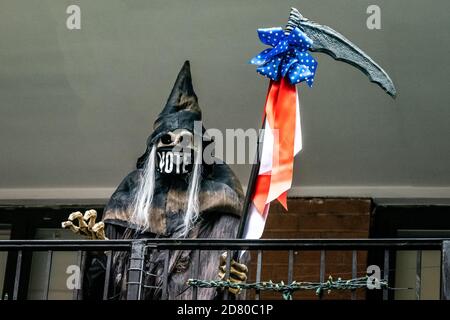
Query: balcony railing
138 249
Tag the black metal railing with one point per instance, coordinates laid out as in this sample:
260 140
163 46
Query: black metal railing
137 252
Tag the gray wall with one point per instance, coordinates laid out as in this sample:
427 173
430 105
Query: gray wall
76 106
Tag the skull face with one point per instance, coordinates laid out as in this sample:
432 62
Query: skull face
180 138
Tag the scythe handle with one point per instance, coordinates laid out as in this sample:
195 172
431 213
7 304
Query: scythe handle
251 183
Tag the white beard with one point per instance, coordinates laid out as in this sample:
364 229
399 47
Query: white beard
144 196
193 205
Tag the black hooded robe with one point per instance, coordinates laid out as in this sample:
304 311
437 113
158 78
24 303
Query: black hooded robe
220 200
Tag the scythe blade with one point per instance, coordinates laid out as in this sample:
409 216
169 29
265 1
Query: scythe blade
331 42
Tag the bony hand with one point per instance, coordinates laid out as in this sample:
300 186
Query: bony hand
86 225
238 272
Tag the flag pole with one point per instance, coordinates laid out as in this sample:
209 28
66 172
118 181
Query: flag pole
293 21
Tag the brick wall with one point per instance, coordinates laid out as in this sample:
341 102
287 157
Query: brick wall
314 218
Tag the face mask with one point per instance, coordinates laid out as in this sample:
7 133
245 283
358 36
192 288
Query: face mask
172 162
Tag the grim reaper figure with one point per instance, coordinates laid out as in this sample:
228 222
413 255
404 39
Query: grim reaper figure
172 193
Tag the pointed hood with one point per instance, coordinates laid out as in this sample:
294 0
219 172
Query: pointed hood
181 109
182 97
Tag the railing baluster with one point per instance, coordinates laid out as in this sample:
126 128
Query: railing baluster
135 271
322 266
290 266
109 256
17 277
418 273
227 273
48 271
386 273
445 281
83 261
196 264
322 269
165 275
77 292
258 272
354 270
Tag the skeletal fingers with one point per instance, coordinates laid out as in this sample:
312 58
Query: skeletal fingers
99 231
71 226
238 272
90 216
78 216
86 224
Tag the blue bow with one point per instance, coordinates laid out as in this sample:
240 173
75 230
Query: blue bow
289 56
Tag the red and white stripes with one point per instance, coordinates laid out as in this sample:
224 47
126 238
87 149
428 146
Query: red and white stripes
282 141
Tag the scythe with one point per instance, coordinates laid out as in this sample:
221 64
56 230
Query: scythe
324 40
